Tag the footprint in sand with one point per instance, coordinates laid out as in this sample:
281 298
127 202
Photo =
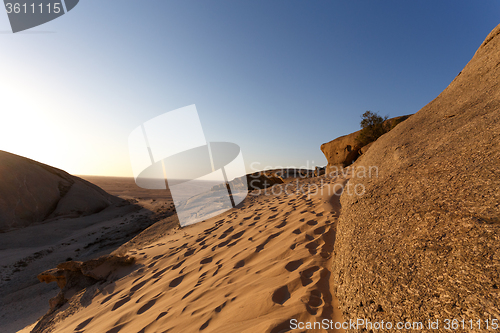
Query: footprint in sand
188 293
315 299
201 279
283 224
238 235
116 329
233 243
158 257
159 274
312 247
220 307
82 325
206 260
239 264
121 302
210 230
163 314
224 243
314 303
205 325
293 265
109 297
178 265
226 233
320 230
281 295
312 222
306 275
217 270
309 237
146 306
261 246
177 281
189 252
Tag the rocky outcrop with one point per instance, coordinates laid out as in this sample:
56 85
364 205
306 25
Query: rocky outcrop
79 283
254 181
258 181
344 150
32 192
319 171
264 179
72 276
422 242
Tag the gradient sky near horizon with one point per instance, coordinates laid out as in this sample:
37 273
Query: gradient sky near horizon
278 78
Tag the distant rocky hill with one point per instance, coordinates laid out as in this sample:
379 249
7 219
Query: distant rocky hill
423 242
267 178
284 173
344 150
32 192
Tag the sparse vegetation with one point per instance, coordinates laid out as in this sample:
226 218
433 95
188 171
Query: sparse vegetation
372 127
396 121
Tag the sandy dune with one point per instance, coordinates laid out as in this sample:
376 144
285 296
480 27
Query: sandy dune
250 269
26 252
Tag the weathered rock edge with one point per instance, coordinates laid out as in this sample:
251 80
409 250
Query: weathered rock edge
76 279
344 150
423 241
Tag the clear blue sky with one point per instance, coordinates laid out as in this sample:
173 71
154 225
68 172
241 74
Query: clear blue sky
279 78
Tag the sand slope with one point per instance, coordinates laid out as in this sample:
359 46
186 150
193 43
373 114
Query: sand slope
26 252
248 270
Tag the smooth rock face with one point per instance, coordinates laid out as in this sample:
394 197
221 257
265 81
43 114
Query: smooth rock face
344 150
32 192
423 242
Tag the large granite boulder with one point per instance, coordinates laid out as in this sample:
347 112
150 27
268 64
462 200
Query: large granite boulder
32 192
423 241
344 150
